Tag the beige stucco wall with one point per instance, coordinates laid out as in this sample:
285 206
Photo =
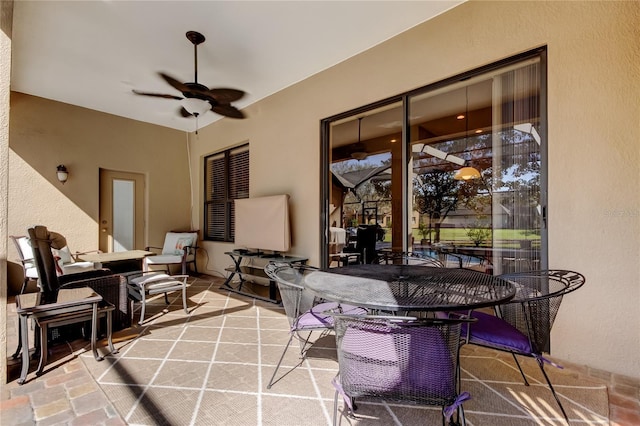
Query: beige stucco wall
6 17
45 133
594 204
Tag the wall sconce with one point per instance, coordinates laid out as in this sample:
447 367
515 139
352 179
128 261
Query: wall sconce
62 173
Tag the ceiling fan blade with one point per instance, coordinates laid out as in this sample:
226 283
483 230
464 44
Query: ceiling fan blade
181 87
156 95
228 111
225 95
184 113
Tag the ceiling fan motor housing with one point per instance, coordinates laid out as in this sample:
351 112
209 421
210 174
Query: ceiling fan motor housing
195 37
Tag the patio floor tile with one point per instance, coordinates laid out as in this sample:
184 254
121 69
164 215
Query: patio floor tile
212 366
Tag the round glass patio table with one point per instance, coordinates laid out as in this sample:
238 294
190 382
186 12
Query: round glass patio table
409 287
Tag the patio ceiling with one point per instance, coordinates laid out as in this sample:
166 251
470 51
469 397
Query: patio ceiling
93 53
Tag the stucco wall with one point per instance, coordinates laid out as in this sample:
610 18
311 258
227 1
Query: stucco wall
45 133
594 204
6 18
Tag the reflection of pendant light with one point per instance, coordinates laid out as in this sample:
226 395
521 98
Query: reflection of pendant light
359 153
467 172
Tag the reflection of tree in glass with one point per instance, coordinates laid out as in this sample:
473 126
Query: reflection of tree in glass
436 195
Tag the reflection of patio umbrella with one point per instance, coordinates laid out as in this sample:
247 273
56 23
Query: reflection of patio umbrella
355 178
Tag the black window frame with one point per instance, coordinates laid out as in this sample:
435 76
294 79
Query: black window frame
226 179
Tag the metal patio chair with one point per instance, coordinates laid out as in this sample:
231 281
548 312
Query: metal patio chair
304 313
25 252
142 285
399 359
523 326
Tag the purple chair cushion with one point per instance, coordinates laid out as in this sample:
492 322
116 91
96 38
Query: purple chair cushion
495 332
316 318
413 361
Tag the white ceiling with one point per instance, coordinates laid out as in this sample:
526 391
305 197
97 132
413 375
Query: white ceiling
93 53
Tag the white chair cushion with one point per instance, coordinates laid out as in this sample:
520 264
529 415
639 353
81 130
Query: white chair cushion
31 272
148 278
75 267
163 259
175 241
156 281
64 254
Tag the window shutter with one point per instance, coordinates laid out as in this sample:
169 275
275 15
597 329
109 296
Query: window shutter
226 179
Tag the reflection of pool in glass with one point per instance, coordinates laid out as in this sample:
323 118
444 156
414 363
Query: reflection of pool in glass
466 260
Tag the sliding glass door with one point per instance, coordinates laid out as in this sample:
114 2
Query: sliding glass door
454 170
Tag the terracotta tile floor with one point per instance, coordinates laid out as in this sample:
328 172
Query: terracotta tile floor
211 367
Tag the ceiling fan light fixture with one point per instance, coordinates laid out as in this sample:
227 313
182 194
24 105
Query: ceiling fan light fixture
195 106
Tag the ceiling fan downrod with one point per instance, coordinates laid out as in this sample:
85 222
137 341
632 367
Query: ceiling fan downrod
196 38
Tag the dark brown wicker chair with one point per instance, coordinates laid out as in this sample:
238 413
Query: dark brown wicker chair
52 322
113 291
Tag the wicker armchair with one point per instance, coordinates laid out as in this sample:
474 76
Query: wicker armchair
113 291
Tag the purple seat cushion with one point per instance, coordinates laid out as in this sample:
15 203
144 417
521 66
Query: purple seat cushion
316 318
494 332
414 361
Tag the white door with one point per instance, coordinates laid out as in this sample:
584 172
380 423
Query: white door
121 211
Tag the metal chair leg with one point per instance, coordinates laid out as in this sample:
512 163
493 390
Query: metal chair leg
553 391
24 285
142 308
280 361
184 300
526 383
335 409
16 354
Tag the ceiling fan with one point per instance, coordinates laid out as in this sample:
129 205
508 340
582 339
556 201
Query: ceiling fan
197 98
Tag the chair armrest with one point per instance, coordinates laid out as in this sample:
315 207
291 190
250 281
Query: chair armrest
77 254
91 274
151 248
27 263
182 278
188 249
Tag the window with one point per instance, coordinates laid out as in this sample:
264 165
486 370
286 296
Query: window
226 178
396 164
